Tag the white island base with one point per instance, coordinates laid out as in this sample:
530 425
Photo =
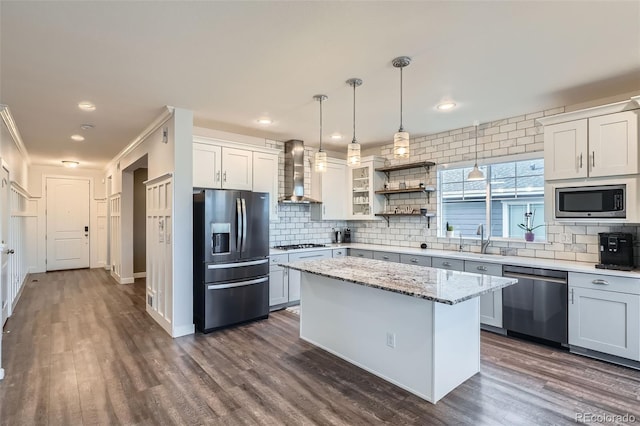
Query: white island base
425 347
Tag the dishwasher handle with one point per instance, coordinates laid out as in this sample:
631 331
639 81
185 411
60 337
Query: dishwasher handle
534 277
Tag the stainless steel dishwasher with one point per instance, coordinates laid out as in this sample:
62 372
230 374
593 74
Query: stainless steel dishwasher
537 305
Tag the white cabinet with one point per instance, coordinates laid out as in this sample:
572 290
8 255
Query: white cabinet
598 146
367 254
490 303
415 260
362 181
339 252
386 256
329 187
295 276
207 165
446 263
222 167
278 280
604 314
265 179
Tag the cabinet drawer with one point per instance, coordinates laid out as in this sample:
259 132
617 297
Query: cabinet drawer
605 282
483 268
274 259
415 260
386 256
339 252
445 263
361 253
310 255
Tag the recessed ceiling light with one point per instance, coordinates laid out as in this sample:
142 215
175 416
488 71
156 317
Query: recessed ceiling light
86 106
446 106
77 138
87 126
265 121
336 136
70 164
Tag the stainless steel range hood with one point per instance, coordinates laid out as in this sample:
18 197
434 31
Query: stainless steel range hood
294 174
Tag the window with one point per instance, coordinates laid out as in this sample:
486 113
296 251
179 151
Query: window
499 203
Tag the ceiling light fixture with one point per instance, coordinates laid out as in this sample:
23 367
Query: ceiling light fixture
401 138
353 150
321 156
77 138
87 126
70 164
336 136
265 121
476 173
446 106
86 106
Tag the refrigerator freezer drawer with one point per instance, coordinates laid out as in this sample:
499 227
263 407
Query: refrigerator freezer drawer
219 272
232 303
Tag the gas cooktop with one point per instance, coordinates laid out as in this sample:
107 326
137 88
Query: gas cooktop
298 246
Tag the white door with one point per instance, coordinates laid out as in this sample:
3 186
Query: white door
237 169
206 166
334 192
67 223
4 241
613 144
565 150
265 179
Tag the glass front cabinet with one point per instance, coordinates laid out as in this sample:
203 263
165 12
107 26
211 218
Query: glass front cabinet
363 181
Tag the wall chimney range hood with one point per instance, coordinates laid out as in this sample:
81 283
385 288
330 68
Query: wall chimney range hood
294 174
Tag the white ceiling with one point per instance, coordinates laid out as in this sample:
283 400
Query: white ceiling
233 62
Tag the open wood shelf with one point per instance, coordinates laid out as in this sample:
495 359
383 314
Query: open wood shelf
426 164
386 216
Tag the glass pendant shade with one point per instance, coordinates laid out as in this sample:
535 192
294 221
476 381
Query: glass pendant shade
401 145
320 161
353 154
475 174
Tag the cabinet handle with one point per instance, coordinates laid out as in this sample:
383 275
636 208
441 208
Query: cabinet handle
218 176
324 209
385 257
224 177
360 255
580 159
481 268
572 296
593 159
413 260
600 282
446 264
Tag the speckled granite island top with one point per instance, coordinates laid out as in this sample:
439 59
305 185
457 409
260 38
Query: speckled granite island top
439 285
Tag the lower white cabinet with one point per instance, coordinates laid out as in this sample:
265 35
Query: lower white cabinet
604 314
295 276
368 254
415 260
386 256
278 280
446 263
490 303
339 252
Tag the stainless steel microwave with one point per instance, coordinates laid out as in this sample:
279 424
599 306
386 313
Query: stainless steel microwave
579 202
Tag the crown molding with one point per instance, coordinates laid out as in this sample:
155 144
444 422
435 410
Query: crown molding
14 132
627 105
164 116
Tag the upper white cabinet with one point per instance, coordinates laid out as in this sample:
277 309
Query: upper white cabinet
265 179
591 143
222 167
363 180
227 165
329 187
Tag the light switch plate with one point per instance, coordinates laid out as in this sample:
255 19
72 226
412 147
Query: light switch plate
566 237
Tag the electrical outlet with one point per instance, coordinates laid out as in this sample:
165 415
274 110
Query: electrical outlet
566 237
150 300
391 340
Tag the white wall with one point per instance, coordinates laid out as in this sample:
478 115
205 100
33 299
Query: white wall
171 157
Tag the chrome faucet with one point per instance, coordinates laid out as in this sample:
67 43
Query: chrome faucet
483 244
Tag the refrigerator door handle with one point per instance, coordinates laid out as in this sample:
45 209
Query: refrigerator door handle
240 284
237 264
240 230
244 224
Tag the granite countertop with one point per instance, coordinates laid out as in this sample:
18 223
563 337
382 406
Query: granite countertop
439 285
562 265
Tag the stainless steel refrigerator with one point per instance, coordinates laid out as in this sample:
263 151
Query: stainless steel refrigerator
230 257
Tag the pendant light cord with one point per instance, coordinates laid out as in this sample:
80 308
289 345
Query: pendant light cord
401 129
320 150
354 113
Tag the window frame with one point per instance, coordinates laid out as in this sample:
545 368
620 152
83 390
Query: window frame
537 155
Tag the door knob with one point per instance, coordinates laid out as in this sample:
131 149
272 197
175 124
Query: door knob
10 251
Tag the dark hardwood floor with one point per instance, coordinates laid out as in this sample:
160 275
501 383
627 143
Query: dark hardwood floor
81 350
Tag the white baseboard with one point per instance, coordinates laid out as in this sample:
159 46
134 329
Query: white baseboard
184 330
1 373
36 270
107 267
139 275
128 280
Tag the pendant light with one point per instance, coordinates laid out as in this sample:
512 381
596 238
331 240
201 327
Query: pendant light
401 138
353 150
476 173
321 156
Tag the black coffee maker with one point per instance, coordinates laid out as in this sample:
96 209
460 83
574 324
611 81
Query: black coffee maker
616 251
346 236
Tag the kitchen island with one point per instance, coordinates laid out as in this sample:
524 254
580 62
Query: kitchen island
414 326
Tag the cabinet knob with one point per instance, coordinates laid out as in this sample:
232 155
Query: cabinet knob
414 260
385 257
482 268
446 264
224 177
218 176
600 282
